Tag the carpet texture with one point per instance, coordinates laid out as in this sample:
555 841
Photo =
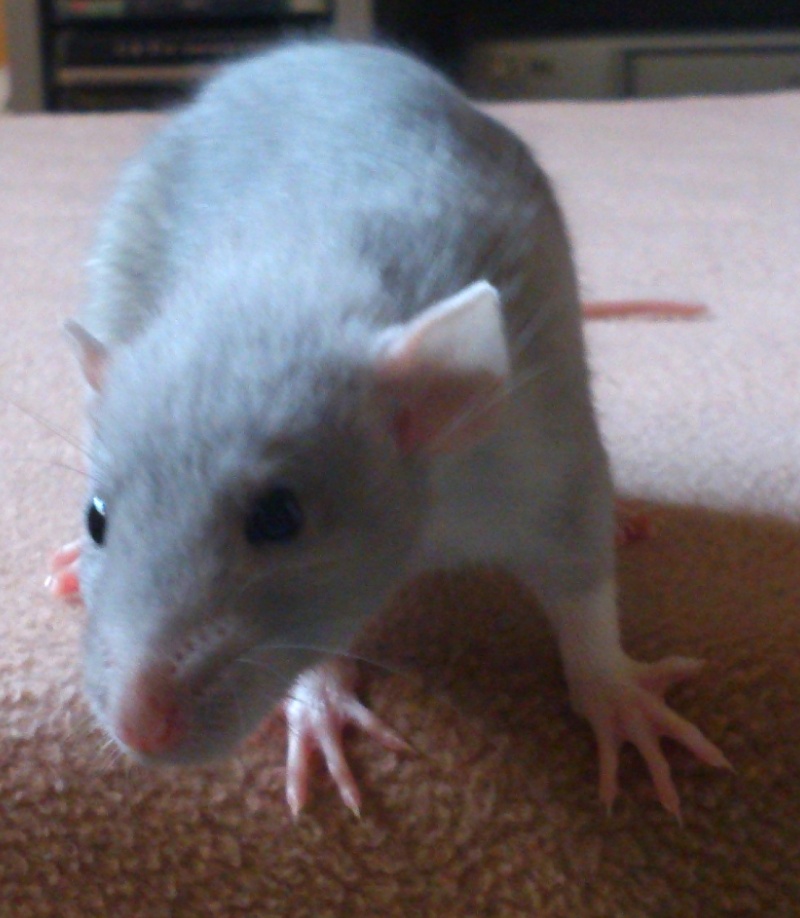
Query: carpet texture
496 812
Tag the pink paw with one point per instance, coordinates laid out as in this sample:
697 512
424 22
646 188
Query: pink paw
631 709
631 524
63 581
321 704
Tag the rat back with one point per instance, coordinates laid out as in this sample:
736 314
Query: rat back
354 163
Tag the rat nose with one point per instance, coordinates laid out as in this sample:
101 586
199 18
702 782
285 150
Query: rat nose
149 719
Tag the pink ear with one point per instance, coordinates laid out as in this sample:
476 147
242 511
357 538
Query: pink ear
446 372
91 354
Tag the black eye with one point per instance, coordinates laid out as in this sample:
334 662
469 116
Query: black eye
96 520
276 517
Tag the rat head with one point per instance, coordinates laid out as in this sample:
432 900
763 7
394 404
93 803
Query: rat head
255 496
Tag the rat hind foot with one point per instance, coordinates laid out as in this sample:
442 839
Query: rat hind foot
63 582
631 524
631 708
322 703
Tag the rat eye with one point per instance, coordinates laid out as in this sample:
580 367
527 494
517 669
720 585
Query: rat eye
275 517
96 520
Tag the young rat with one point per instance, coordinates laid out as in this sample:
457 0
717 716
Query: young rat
333 338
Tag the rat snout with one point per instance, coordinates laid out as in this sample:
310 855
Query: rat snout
149 719
195 700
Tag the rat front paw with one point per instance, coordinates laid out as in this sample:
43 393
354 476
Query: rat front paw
630 707
63 582
321 704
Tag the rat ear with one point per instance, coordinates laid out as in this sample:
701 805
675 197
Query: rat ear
447 371
92 355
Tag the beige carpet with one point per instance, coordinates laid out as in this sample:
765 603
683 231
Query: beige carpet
496 813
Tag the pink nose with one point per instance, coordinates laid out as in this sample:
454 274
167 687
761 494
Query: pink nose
149 719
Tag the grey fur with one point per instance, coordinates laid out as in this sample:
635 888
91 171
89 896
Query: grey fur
307 200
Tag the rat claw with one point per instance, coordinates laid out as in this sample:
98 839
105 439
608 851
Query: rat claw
682 731
660 677
643 734
630 708
63 581
361 717
608 752
65 555
330 745
298 758
321 704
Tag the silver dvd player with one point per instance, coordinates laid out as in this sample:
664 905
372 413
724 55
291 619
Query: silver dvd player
616 66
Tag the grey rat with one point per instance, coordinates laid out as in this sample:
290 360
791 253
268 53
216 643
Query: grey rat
333 338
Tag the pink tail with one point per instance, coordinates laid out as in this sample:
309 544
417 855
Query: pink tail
648 309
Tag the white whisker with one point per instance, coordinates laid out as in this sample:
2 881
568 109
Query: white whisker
60 432
324 651
478 406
